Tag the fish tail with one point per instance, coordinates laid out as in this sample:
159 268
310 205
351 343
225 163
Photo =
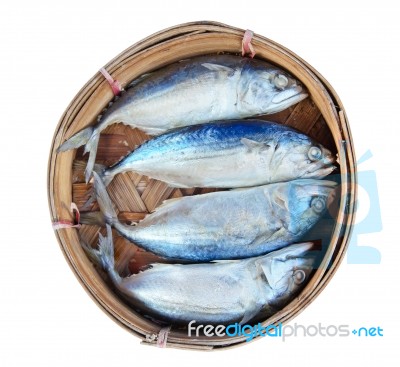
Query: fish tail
88 137
91 198
104 201
91 148
93 219
76 141
104 255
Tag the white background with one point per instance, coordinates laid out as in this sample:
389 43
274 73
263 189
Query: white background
50 49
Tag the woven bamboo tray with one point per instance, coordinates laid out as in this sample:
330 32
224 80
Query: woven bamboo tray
321 116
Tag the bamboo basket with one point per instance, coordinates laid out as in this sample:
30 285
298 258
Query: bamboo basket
321 116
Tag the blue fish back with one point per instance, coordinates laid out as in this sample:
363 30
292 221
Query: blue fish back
213 136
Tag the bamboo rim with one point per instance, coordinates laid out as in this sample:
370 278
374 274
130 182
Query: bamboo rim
173 44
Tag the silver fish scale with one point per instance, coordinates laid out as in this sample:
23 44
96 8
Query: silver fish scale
230 224
238 153
220 292
231 290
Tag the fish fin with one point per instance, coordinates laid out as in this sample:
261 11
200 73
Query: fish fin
167 203
104 201
281 199
255 145
152 130
219 68
77 140
157 267
138 80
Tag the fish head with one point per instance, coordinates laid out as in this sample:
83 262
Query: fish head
287 270
299 204
269 91
297 156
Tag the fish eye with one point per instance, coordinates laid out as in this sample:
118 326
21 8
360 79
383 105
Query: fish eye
299 276
318 204
281 81
315 154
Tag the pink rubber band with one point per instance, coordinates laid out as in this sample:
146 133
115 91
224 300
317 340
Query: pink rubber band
67 224
247 47
114 84
162 337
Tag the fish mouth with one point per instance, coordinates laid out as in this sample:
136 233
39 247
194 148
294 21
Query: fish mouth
320 169
290 96
319 172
